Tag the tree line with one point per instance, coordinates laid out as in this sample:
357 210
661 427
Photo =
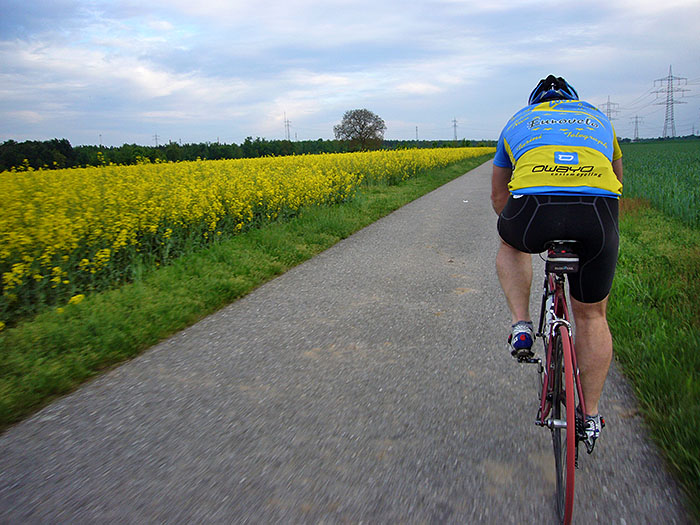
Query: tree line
58 153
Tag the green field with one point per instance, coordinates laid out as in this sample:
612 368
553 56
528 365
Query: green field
667 175
654 310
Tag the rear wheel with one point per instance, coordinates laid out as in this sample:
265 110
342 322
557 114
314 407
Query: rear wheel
564 437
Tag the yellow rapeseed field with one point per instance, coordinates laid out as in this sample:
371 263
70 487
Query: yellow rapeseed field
66 232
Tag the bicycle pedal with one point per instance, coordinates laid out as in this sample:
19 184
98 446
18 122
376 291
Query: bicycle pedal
531 360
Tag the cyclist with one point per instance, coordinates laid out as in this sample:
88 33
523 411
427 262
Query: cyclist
557 174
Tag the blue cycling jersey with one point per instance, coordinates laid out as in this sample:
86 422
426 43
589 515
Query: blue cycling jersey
561 147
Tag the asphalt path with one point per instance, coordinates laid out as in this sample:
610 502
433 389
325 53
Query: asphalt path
370 384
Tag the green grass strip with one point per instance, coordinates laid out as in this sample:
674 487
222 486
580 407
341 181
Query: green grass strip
58 350
654 314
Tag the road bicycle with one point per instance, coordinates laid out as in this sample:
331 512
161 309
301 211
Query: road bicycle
561 399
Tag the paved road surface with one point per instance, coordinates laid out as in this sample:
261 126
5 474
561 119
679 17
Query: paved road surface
370 384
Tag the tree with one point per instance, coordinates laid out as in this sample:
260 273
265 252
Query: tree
39 154
362 128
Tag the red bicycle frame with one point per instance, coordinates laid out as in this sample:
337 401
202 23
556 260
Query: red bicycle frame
560 360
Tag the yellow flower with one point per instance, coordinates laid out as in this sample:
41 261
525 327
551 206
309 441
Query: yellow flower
76 299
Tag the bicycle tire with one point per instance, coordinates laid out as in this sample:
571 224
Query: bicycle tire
563 396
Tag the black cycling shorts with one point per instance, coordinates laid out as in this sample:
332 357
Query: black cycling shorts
527 223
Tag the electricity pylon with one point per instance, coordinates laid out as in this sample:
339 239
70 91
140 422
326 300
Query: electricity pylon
636 121
671 84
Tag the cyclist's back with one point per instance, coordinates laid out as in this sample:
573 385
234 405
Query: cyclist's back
560 153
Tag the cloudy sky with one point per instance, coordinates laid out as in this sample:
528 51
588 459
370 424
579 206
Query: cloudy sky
124 71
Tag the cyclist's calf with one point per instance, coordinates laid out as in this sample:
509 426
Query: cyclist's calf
593 349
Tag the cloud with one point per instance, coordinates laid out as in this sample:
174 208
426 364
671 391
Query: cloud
162 26
30 117
418 88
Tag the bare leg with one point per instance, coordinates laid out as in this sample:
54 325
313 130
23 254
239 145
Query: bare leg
594 349
515 274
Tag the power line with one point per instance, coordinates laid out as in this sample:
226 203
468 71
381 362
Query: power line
672 83
454 125
644 101
639 100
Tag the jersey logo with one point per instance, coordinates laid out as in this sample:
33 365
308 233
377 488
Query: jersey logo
565 157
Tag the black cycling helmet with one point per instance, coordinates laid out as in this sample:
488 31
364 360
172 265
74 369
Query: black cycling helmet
552 88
